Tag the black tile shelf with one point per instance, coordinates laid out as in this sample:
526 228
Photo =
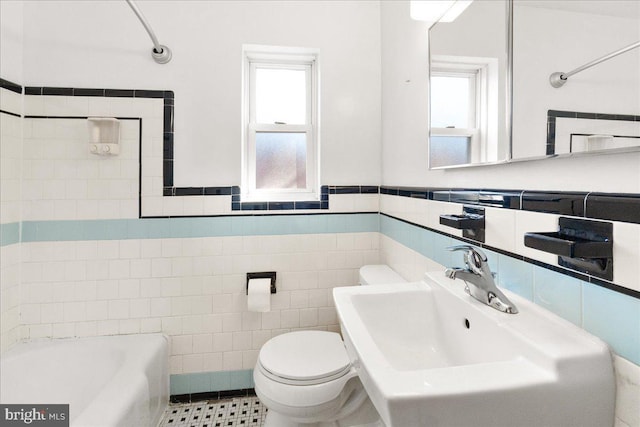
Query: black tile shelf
580 244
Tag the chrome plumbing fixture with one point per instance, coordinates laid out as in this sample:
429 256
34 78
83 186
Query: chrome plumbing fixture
558 79
478 279
160 53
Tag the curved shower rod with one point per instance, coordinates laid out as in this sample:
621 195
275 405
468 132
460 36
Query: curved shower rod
160 53
558 79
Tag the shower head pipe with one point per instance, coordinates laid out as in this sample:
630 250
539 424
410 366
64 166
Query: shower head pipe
160 53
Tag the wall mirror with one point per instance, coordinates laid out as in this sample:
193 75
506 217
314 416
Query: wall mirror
597 108
469 91
489 106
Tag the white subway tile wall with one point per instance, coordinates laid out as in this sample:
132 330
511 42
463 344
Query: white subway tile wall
192 289
10 200
10 156
9 296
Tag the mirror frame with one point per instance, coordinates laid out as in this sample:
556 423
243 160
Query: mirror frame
508 85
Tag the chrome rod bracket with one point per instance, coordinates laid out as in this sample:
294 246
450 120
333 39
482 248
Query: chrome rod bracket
558 79
160 53
163 56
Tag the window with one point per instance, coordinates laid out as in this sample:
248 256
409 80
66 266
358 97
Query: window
280 141
463 99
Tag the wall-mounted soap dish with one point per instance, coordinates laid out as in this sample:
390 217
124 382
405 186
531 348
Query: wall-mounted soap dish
471 222
104 136
582 245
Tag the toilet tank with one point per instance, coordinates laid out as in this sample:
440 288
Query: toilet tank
378 275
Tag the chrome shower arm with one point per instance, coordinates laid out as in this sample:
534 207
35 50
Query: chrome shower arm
559 78
160 53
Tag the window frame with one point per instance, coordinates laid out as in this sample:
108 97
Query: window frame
484 94
270 57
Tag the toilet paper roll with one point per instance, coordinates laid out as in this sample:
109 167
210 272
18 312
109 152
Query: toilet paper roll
259 295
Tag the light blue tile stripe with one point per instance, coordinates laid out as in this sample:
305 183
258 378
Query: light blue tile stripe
155 228
202 382
612 316
9 233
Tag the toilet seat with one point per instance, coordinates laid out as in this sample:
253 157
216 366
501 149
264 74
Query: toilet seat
304 358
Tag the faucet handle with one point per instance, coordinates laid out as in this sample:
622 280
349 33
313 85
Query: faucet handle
473 257
481 255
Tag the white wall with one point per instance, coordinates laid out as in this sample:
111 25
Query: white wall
404 141
101 44
11 40
405 61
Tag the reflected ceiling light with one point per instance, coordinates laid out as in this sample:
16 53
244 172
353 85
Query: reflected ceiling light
438 10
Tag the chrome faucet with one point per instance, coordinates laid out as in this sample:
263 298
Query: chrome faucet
478 279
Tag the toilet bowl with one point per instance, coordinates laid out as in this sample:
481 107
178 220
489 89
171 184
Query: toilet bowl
305 378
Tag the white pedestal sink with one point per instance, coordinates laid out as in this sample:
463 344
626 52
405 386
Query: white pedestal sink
430 355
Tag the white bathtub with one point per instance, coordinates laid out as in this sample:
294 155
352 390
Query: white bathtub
107 381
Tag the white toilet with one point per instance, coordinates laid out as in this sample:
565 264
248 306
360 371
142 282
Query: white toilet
305 378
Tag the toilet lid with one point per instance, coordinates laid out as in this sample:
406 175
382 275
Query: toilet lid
305 355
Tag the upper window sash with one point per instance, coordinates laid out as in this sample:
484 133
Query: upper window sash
309 88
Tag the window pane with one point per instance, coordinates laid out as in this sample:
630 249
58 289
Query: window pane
450 102
449 150
281 160
281 96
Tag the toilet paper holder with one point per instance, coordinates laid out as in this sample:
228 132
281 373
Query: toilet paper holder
263 275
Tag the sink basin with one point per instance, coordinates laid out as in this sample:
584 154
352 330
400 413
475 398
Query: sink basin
430 355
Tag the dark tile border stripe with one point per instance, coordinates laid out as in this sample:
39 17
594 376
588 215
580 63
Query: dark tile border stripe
584 277
615 207
168 119
212 395
109 93
623 207
562 203
10 113
238 205
169 190
552 116
13 87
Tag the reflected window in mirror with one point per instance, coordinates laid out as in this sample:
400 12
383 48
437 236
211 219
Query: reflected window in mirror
463 98
469 87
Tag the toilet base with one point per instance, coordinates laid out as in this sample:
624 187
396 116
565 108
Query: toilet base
365 416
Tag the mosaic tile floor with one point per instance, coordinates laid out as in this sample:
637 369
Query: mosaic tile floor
236 412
